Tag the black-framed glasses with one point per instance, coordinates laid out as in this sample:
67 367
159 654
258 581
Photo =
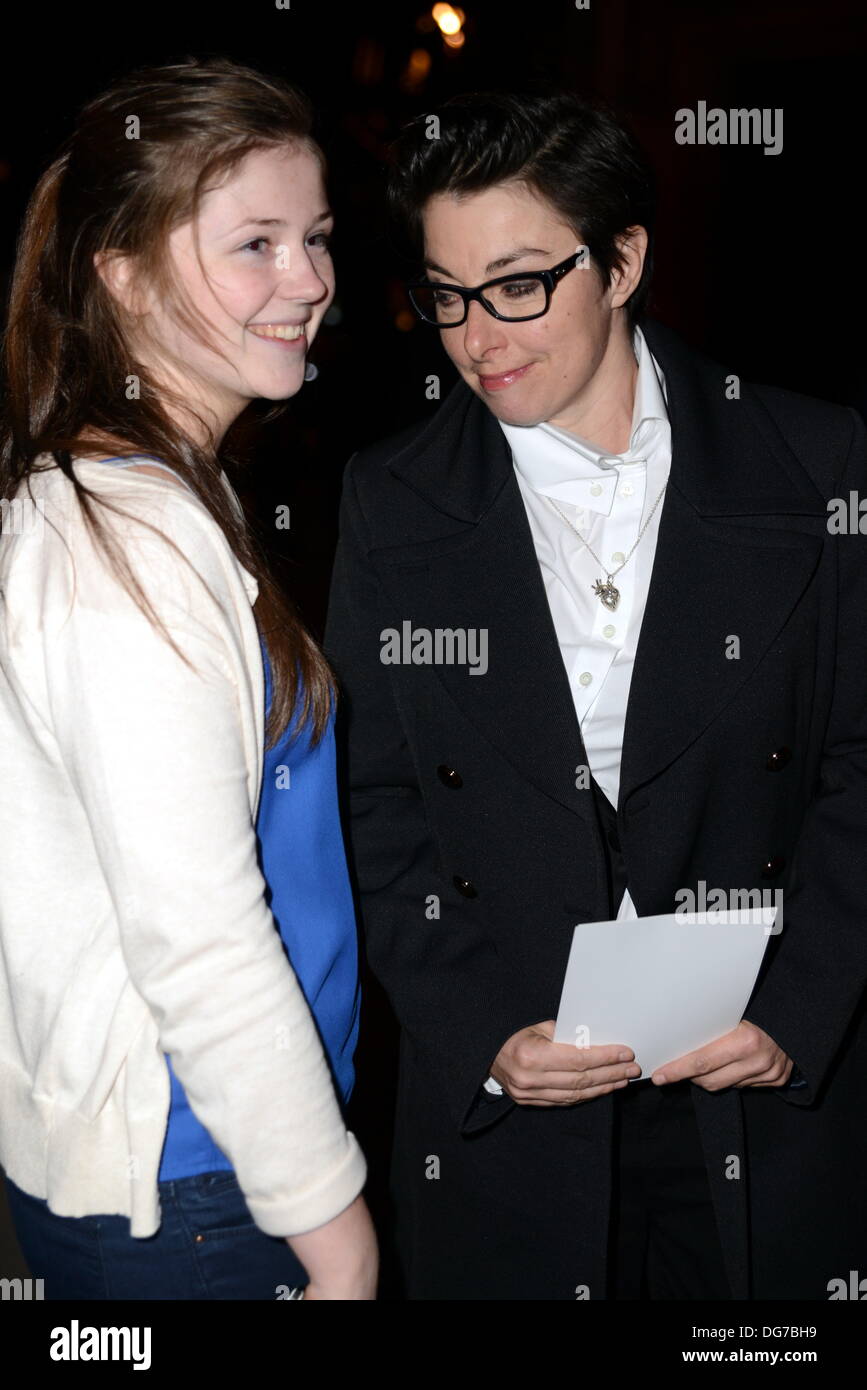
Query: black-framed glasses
526 295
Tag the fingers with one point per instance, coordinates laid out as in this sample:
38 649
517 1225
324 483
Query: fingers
740 1074
601 1055
570 1080
560 1098
776 1075
565 1088
532 1054
537 1072
746 1047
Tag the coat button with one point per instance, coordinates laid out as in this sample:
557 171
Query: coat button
449 776
614 839
464 886
778 759
773 866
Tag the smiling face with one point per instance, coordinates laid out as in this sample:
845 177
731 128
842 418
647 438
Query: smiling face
570 366
264 284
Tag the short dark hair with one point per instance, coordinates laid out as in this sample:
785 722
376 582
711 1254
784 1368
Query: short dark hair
576 154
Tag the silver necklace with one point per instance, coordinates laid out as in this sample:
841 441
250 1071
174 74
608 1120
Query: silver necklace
608 592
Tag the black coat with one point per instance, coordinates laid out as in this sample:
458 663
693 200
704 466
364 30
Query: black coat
497 1200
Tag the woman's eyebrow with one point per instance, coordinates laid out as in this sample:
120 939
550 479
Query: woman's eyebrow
275 221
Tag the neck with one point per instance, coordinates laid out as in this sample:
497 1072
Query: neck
602 412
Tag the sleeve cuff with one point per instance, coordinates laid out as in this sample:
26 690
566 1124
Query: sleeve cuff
295 1215
796 1081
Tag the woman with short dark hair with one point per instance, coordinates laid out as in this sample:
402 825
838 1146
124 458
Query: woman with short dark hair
590 480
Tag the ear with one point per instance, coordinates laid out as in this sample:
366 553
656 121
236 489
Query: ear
633 249
117 273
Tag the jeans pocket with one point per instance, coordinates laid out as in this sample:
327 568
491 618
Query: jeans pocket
213 1205
214 1184
234 1258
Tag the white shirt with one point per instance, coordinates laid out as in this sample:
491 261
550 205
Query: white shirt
133 918
608 498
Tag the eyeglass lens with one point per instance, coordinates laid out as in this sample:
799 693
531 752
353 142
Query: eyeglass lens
514 299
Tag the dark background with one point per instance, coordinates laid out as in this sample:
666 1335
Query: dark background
759 258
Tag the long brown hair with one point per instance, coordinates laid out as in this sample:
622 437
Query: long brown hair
66 356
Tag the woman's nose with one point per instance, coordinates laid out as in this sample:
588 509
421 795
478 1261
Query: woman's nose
481 330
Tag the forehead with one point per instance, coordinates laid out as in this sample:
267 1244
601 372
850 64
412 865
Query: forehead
470 236
504 207
282 178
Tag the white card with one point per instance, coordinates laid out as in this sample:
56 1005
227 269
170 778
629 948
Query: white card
664 985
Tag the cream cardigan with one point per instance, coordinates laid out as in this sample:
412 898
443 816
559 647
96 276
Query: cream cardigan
132 915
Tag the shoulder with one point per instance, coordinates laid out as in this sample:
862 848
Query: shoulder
709 372
825 437
368 472
160 471
370 463
803 415
164 534
819 433
139 501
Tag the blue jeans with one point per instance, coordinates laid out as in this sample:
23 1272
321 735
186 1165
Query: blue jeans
207 1246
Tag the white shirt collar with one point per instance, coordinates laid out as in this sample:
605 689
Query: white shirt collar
548 459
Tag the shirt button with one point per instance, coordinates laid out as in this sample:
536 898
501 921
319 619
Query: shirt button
595 489
608 630
617 557
627 490
585 678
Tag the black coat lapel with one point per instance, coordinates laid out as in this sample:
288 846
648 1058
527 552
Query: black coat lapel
740 537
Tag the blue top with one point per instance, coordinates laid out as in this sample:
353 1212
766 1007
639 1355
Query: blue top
303 862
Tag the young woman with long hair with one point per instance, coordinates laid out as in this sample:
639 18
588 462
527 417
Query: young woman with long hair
178 960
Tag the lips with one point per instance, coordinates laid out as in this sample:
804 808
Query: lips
498 381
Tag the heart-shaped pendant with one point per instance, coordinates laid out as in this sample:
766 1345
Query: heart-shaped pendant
608 592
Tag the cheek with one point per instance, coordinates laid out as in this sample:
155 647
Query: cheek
537 341
237 288
245 291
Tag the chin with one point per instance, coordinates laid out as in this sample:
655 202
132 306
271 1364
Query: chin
281 390
525 415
